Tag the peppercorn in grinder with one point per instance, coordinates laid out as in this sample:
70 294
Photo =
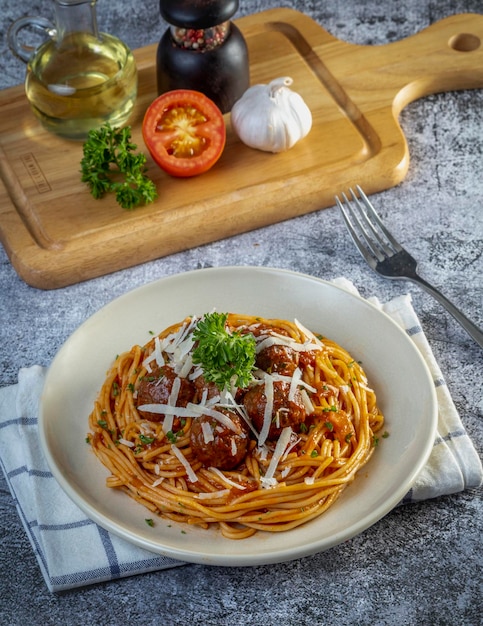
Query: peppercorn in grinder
203 50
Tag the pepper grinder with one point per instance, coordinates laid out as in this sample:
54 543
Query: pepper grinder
203 50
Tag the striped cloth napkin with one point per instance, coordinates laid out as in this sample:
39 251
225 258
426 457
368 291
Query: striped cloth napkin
73 551
454 464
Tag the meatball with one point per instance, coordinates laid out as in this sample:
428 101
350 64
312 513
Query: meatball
278 359
285 412
201 384
219 446
212 390
156 387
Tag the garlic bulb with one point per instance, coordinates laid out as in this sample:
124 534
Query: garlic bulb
271 117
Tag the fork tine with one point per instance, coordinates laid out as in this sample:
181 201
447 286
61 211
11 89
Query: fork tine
371 213
370 232
367 227
371 255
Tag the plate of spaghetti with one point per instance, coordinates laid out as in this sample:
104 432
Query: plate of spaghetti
237 416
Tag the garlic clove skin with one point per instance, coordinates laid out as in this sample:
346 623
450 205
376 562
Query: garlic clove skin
272 117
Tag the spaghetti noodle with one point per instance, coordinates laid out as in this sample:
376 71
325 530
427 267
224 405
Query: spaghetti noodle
268 457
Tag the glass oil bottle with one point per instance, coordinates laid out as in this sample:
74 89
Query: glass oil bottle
77 78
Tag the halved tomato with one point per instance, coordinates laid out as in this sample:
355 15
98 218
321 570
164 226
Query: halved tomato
184 132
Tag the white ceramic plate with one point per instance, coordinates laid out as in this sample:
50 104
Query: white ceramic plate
395 369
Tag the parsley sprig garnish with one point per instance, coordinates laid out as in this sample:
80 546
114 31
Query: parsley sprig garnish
222 354
110 164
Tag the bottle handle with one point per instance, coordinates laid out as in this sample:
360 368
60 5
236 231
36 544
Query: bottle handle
40 25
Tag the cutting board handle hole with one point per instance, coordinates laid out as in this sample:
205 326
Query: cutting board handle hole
464 42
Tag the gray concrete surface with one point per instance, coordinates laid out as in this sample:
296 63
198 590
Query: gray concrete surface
421 564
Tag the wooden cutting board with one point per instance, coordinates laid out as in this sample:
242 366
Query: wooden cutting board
56 234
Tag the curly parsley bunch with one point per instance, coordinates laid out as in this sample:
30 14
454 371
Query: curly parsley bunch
110 165
223 355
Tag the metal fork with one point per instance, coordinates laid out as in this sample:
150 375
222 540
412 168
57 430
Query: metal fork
386 256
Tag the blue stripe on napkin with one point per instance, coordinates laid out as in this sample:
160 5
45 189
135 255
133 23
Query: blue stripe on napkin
71 550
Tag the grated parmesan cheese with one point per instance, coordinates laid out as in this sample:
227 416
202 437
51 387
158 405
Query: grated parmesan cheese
283 441
267 414
178 411
168 423
239 408
293 442
185 463
289 379
173 396
196 373
217 415
207 432
127 443
307 402
226 480
308 333
186 366
213 494
297 375
287 342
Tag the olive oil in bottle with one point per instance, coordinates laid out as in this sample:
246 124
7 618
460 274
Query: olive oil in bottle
79 79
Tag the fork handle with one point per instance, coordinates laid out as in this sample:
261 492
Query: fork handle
467 324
